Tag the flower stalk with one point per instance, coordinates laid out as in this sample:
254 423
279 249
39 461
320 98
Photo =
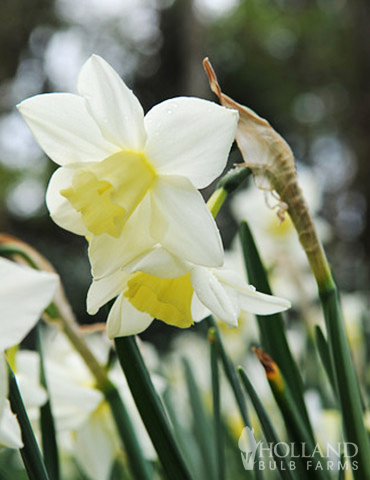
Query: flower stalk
271 160
226 185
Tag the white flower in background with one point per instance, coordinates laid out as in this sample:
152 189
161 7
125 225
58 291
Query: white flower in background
115 162
277 240
24 294
160 285
84 423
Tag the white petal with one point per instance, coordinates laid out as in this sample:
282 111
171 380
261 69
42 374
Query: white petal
64 129
115 108
198 311
10 432
125 320
190 137
107 254
251 300
59 207
182 223
24 294
96 444
159 263
3 383
212 294
262 304
104 289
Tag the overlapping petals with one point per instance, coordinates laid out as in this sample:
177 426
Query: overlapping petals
112 159
160 285
24 294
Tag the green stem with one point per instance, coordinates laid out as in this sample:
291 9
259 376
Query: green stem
346 382
227 184
30 451
151 409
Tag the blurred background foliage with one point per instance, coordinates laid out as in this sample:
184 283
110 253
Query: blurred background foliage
302 64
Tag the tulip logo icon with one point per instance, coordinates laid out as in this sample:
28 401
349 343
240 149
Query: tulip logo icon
248 446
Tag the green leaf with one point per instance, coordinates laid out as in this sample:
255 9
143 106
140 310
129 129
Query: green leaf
271 327
346 382
267 427
30 452
151 409
234 382
323 349
201 424
218 427
295 425
138 464
48 434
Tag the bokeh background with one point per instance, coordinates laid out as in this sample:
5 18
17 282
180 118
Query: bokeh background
302 64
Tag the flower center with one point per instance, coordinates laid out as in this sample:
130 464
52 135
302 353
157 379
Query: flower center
167 299
106 193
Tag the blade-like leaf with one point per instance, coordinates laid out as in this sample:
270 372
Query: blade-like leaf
272 329
234 383
48 434
346 382
151 409
218 427
30 452
201 425
323 349
267 427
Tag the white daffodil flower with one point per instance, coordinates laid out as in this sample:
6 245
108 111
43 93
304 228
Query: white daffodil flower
81 413
160 285
24 294
112 158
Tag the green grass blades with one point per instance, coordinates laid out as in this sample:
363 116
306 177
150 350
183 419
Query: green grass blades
346 383
151 409
296 427
271 327
267 427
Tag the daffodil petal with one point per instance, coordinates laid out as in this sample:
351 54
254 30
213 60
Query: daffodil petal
3 383
59 207
198 311
107 253
124 319
10 432
64 128
24 294
159 263
251 300
182 223
97 435
190 137
113 105
262 304
104 289
212 294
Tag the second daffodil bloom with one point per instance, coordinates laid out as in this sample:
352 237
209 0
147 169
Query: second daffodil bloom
24 294
162 286
113 158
